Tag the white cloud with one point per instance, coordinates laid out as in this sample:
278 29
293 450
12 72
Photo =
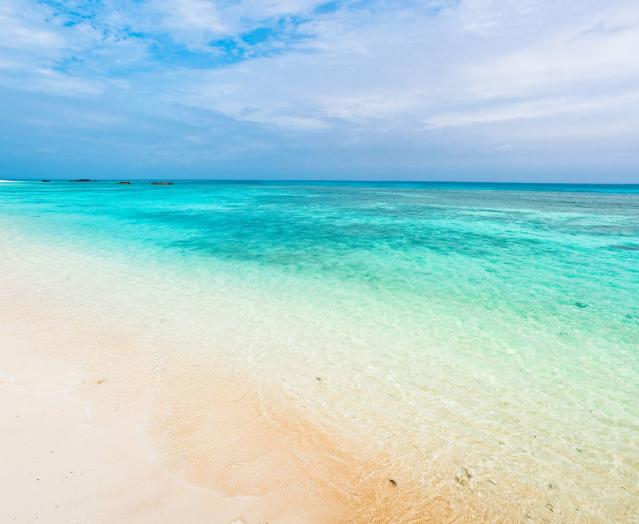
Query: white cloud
531 110
194 22
23 28
407 72
260 9
559 62
51 81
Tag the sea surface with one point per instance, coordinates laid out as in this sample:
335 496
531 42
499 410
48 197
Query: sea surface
485 337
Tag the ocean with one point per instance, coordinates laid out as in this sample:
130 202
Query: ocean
482 337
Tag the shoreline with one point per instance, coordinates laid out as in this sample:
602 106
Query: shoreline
100 432
208 438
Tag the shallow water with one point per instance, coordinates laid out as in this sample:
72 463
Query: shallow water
484 336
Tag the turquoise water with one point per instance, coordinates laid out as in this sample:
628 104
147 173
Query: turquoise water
496 322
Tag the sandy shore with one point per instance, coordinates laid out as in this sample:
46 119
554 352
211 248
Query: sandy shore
97 429
76 445
116 406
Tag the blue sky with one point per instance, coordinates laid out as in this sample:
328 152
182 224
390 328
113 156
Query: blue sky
533 90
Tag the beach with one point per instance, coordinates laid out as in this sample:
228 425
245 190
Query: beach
99 431
204 355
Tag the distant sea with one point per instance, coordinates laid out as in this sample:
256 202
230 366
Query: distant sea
490 326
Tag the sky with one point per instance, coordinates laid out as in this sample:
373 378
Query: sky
518 90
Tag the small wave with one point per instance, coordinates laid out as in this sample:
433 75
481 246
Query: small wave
626 247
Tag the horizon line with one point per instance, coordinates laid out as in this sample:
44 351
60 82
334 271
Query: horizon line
316 180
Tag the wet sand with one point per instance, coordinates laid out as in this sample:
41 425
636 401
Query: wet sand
95 429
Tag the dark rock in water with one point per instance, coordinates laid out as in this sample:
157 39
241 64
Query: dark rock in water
392 482
581 305
162 183
45 180
124 183
626 247
463 477
82 180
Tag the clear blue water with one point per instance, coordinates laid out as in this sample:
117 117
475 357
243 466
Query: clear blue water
509 311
